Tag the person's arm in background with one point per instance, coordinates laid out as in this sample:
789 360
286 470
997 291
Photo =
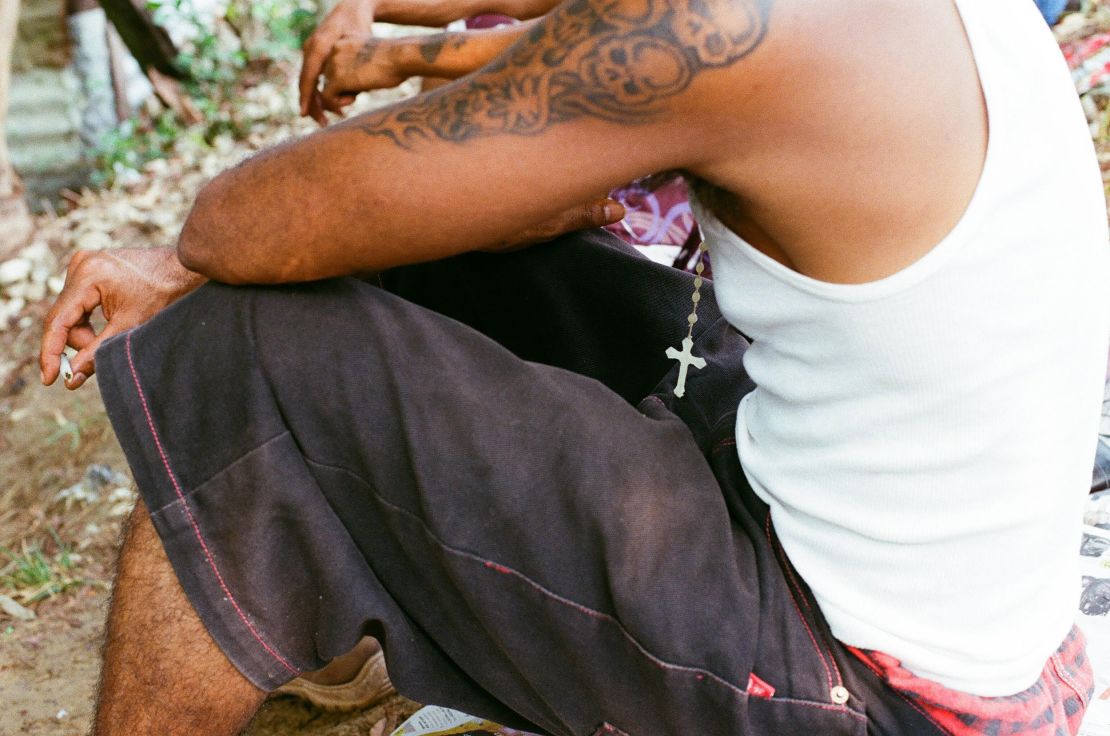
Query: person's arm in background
356 17
364 62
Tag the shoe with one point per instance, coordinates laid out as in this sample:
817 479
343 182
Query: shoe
371 685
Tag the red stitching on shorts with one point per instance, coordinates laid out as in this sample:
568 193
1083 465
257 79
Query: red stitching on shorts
192 519
491 565
793 600
697 672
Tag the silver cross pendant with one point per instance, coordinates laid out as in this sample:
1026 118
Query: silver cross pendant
685 358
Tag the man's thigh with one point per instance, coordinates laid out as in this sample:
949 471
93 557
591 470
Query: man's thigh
331 460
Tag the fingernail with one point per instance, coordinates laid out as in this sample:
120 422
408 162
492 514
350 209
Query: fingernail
78 379
42 376
611 212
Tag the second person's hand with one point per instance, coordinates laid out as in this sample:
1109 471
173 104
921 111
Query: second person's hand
348 17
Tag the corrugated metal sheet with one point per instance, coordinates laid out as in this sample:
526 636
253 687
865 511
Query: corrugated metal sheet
42 112
41 38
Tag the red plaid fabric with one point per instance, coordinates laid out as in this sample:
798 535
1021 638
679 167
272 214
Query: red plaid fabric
1052 706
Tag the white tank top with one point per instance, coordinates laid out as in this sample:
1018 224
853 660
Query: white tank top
925 441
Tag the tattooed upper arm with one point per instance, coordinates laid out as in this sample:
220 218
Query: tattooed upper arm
614 60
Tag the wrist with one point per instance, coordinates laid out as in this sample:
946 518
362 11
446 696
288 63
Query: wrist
406 59
366 10
178 279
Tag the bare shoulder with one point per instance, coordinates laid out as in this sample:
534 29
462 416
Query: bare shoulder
862 142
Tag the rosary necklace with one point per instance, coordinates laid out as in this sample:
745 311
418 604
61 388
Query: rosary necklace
686 357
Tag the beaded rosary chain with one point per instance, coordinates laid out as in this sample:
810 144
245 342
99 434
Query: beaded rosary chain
685 357
696 296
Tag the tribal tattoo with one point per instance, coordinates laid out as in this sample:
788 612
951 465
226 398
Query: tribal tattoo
615 60
431 48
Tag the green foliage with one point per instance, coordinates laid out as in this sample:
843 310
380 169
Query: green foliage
71 429
220 56
33 575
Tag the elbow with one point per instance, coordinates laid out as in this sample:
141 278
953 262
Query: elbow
190 250
194 244
201 246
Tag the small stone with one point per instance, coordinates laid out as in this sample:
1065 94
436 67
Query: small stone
17 269
27 290
15 610
37 252
692 318
697 282
12 307
93 240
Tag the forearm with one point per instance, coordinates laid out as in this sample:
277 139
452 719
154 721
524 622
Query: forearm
343 203
453 55
159 268
438 13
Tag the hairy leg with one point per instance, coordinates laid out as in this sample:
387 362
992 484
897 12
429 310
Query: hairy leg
162 672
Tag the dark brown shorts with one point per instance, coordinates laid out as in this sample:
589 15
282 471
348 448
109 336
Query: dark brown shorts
482 463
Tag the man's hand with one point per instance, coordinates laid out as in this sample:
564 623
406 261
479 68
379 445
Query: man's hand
348 17
356 18
360 63
598 213
129 285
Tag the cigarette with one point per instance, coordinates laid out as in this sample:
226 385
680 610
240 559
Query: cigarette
67 369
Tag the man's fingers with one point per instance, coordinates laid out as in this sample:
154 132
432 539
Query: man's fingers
583 217
80 336
597 213
71 310
334 99
84 363
316 109
601 213
316 51
328 95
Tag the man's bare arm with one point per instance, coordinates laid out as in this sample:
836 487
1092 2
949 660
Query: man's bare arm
597 93
356 17
437 13
365 62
